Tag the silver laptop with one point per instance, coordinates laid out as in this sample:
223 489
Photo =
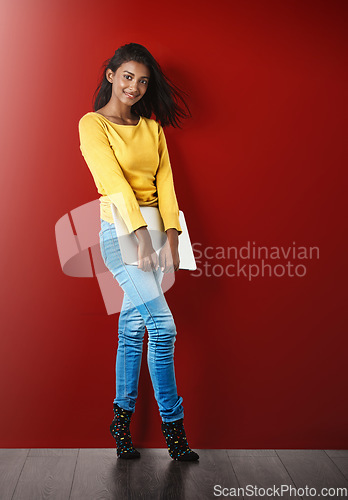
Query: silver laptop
129 242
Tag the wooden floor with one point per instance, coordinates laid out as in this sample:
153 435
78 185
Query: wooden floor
95 474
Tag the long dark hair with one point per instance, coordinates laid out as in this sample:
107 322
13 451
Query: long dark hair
162 98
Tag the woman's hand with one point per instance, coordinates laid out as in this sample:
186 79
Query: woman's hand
147 257
169 255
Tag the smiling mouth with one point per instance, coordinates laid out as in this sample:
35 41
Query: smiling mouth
131 96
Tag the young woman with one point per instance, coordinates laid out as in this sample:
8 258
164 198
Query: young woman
127 155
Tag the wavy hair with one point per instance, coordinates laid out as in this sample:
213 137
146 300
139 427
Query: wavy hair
162 98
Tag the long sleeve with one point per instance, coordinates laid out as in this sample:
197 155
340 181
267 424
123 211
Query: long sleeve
167 202
106 171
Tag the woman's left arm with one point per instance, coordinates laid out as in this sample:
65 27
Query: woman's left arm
169 259
168 207
167 202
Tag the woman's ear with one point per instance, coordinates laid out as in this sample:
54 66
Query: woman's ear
109 74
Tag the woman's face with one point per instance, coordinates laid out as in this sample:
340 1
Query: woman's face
130 82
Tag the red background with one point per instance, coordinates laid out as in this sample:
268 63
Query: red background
260 363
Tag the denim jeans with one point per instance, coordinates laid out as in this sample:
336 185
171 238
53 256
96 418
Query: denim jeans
143 305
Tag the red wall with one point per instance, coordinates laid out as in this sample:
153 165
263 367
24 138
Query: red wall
261 160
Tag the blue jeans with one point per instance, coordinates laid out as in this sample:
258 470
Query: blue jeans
143 305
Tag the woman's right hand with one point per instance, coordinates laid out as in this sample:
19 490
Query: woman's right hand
147 257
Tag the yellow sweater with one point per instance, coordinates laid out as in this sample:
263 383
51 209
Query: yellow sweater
130 166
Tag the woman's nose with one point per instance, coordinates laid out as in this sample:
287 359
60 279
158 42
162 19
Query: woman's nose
133 85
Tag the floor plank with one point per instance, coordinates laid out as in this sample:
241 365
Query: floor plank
97 474
313 469
337 453
261 472
252 453
213 472
11 464
154 476
44 477
342 464
164 478
53 452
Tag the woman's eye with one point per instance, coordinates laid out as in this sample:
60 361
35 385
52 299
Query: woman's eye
127 76
144 81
